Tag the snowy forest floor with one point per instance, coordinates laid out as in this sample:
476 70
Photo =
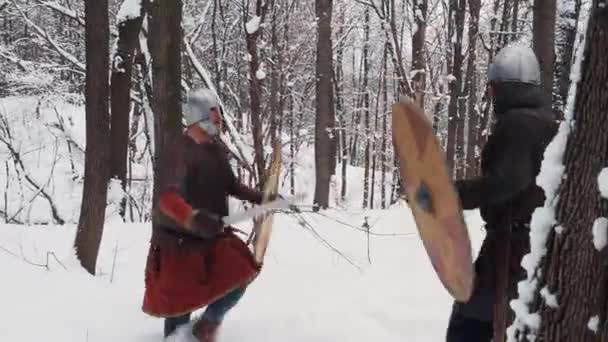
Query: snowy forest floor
306 291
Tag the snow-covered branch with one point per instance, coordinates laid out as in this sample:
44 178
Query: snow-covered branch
42 33
70 13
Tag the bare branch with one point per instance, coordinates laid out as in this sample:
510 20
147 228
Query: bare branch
16 156
234 135
42 33
68 12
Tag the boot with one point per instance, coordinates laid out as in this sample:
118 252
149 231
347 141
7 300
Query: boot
205 331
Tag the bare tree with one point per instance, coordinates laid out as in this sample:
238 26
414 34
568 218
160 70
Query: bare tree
544 39
325 116
455 148
470 84
256 76
165 44
567 23
366 108
122 70
96 169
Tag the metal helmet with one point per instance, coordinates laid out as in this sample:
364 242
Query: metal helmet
515 63
198 105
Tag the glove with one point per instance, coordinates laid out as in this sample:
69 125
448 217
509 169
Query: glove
206 224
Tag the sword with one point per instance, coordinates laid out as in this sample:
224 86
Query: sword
258 210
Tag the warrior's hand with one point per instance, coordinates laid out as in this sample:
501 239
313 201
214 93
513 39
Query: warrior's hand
205 223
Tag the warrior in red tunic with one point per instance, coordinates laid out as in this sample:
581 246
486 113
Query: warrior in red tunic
194 260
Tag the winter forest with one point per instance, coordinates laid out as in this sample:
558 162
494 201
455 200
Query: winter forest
91 90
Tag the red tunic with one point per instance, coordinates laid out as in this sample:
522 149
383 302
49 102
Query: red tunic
185 272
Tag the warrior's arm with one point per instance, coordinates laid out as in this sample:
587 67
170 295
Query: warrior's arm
511 174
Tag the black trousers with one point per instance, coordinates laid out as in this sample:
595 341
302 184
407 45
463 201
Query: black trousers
472 321
466 329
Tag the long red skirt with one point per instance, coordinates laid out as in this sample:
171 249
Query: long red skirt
182 281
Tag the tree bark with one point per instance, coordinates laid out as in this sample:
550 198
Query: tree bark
543 32
455 143
96 168
324 123
366 105
567 23
165 44
471 90
255 92
418 55
574 269
122 70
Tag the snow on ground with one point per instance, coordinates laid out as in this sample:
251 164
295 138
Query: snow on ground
305 293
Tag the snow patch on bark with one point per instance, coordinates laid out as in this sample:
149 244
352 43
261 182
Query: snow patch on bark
130 9
543 218
600 233
602 181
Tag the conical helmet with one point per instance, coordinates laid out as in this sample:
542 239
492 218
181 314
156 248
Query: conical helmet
198 105
515 63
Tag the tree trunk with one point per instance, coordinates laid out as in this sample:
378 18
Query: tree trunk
255 92
383 151
574 268
324 123
455 143
418 55
97 153
122 70
471 86
567 23
165 48
543 30
366 105
339 75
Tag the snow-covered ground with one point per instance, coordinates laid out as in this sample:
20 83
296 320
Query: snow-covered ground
306 291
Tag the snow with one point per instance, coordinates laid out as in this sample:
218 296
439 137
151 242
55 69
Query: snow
594 323
305 293
559 229
600 233
602 181
260 74
550 299
543 218
253 25
130 9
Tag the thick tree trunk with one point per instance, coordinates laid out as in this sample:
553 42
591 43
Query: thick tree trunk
574 268
324 123
165 47
544 40
122 70
97 153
